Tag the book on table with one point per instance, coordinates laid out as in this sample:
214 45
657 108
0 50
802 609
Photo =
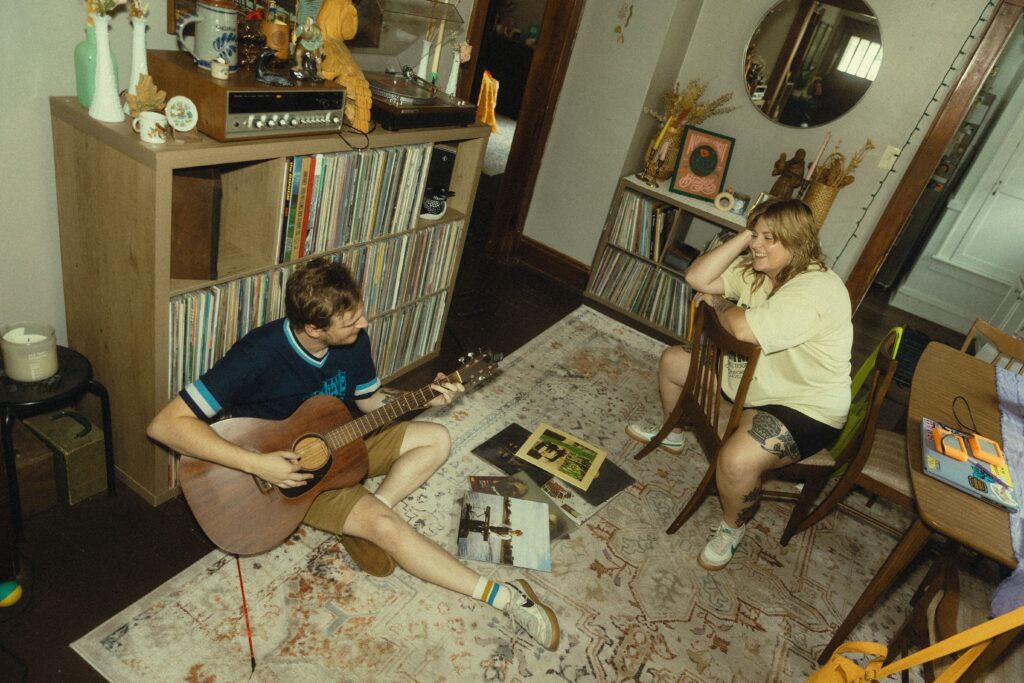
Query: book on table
966 462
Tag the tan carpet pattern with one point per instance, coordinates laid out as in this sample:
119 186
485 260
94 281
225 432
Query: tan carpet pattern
632 601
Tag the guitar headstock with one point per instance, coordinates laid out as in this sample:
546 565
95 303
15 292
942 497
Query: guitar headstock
477 367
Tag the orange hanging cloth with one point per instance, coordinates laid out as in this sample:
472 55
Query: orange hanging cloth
486 101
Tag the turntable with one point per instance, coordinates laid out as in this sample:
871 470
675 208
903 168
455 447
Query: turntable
403 100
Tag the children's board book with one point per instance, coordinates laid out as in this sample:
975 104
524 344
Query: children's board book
968 462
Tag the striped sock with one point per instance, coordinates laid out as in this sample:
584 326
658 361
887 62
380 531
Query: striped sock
492 592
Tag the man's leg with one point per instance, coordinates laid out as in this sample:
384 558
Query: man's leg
425 446
760 443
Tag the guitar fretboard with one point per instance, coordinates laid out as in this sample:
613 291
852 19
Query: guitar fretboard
386 414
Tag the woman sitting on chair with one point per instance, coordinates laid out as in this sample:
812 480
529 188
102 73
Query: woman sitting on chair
798 311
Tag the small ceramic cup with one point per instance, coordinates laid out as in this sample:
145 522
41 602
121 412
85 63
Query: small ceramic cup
151 127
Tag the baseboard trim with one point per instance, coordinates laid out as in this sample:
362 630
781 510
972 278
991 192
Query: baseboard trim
556 265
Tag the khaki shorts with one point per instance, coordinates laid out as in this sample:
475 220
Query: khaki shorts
331 508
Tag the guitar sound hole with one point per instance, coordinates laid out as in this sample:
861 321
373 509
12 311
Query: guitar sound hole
315 458
313 453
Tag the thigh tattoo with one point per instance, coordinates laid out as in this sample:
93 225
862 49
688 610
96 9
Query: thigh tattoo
767 428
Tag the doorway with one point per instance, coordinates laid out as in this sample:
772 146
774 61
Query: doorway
960 251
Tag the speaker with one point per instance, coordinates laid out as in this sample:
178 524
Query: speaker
442 163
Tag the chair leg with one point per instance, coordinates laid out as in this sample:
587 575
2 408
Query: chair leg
836 496
695 500
809 494
108 433
671 422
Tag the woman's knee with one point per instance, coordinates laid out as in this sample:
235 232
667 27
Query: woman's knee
735 465
675 361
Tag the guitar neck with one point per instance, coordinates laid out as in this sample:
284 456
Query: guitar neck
385 415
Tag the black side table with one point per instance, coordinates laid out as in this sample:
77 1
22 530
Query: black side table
24 399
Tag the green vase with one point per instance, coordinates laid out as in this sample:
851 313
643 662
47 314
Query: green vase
85 67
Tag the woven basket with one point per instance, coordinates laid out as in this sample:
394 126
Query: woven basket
819 198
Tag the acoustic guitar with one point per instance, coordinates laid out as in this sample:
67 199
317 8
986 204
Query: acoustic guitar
245 515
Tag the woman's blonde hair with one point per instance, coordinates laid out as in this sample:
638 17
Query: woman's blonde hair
793 225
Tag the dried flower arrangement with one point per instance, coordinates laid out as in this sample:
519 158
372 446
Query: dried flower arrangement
680 108
147 97
103 6
836 170
137 10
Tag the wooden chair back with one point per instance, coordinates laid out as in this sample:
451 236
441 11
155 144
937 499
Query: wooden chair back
816 471
1009 349
702 402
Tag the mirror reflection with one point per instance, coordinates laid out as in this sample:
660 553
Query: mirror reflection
810 61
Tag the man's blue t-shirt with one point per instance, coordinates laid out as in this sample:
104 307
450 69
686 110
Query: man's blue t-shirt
268 374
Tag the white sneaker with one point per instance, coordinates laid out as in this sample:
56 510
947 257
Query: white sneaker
644 432
722 546
532 615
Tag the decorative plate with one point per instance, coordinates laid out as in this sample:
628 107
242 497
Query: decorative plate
181 113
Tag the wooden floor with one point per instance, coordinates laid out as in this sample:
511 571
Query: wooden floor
82 565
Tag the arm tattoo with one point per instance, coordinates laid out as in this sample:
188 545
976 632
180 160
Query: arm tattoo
773 436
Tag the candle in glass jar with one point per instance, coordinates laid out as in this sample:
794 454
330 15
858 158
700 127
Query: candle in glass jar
29 351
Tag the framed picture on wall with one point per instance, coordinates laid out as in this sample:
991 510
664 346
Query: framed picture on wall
702 164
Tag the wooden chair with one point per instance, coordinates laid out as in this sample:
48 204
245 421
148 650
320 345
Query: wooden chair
870 458
1009 349
700 406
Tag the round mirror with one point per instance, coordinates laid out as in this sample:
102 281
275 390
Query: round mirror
810 61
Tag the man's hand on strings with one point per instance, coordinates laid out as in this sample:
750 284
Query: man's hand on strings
446 391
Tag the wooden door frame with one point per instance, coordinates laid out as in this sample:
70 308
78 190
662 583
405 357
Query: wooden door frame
1005 19
543 85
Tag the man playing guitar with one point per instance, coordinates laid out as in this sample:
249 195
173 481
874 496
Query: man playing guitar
321 347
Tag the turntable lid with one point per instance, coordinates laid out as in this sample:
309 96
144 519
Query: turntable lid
398 86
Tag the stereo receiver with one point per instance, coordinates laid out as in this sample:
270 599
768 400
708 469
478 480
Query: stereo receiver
241 108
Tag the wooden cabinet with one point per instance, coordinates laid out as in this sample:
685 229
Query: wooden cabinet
144 229
645 248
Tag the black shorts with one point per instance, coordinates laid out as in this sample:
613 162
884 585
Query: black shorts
810 435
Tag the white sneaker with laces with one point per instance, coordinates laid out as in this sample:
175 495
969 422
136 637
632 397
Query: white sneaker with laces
644 432
532 615
722 546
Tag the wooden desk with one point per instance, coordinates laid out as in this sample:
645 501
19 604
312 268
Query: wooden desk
942 373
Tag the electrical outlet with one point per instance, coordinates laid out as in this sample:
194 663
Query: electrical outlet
889 157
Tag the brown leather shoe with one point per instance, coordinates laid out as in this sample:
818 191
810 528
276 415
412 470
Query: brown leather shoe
368 556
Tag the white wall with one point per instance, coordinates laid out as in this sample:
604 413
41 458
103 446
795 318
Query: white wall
600 106
920 39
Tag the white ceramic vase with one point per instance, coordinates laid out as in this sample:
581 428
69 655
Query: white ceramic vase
106 105
139 66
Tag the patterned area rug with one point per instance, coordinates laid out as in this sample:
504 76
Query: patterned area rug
632 601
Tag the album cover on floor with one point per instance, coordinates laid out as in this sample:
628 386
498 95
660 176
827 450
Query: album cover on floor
562 454
519 485
500 451
504 530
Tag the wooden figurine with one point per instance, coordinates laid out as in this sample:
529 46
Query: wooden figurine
338 22
791 175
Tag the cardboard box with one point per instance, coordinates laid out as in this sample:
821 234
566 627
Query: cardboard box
78 445
36 487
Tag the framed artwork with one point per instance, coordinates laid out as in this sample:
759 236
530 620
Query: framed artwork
703 161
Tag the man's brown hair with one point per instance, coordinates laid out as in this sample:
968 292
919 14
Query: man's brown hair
318 291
